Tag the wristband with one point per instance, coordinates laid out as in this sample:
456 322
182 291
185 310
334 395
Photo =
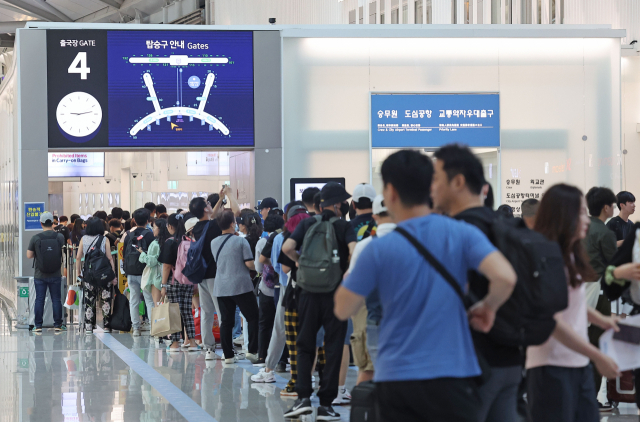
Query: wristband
610 279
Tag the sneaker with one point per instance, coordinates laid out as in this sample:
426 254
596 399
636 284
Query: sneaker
264 377
239 355
146 326
60 329
605 408
195 348
344 397
136 333
184 346
300 407
265 390
239 341
211 355
37 330
288 392
260 363
231 361
281 367
107 330
252 357
326 413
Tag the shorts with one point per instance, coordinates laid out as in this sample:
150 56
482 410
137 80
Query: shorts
372 342
359 341
347 338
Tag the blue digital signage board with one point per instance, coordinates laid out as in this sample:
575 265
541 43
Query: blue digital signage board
433 120
150 88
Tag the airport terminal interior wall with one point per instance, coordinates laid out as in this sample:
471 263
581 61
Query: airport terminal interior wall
9 245
630 121
553 92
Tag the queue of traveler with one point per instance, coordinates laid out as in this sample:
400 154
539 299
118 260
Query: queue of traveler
453 310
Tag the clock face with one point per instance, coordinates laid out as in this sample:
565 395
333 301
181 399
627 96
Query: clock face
79 115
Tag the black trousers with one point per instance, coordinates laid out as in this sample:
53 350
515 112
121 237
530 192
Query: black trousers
249 308
267 318
315 310
559 394
437 400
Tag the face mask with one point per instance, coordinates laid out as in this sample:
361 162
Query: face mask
344 209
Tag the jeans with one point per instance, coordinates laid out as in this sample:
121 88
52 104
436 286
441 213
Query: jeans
134 300
209 307
53 284
372 341
249 307
499 395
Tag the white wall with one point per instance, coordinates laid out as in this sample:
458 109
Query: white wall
630 120
553 91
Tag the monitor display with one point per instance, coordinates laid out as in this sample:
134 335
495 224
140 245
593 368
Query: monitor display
434 120
150 88
76 164
297 186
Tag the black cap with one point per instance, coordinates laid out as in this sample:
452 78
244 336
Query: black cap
267 203
333 193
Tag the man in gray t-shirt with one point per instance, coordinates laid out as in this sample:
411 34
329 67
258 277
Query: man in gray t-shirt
46 249
233 286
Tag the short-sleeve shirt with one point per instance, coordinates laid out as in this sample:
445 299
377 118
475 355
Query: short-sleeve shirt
344 234
49 234
620 227
169 252
63 230
232 277
424 333
212 232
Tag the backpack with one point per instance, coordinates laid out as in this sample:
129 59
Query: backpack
319 264
181 261
120 313
97 269
526 318
132 264
49 254
195 267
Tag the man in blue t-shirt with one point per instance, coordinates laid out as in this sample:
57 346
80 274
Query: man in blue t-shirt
425 346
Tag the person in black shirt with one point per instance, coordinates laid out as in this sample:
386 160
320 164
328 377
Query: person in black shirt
202 210
315 310
308 196
363 224
63 229
457 190
621 225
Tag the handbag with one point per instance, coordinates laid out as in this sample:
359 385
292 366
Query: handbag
165 319
120 314
482 362
74 298
146 275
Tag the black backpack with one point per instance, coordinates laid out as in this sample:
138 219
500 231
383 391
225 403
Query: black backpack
132 264
97 269
48 258
526 318
120 314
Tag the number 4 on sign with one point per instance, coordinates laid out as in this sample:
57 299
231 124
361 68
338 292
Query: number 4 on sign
79 65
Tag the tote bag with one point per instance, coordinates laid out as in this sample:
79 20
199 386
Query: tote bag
165 319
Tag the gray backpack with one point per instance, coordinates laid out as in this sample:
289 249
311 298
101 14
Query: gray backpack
319 264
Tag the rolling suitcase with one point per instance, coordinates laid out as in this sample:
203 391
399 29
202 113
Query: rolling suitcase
363 403
47 315
621 390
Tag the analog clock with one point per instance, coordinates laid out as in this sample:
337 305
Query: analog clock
79 116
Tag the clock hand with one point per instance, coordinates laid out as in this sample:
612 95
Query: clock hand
79 114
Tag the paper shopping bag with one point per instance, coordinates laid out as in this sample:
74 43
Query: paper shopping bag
74 298
165 319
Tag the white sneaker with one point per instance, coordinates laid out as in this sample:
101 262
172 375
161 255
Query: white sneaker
264 377
146 326
344 397
136 333
231 361
211 355
252 357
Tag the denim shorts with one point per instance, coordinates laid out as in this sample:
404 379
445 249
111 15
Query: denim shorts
372 342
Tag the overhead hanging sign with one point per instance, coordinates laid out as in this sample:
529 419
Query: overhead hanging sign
149 88
433 120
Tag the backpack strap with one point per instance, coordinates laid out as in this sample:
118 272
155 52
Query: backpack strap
221 246
434 263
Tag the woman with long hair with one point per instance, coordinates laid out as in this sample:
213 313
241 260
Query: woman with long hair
559 377
92 294
77 232
152 282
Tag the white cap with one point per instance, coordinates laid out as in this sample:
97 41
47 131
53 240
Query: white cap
190 224
378 205
364 190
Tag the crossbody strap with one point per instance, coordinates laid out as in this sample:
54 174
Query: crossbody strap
221 246
434 263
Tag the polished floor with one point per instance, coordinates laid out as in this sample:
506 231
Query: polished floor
104 377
